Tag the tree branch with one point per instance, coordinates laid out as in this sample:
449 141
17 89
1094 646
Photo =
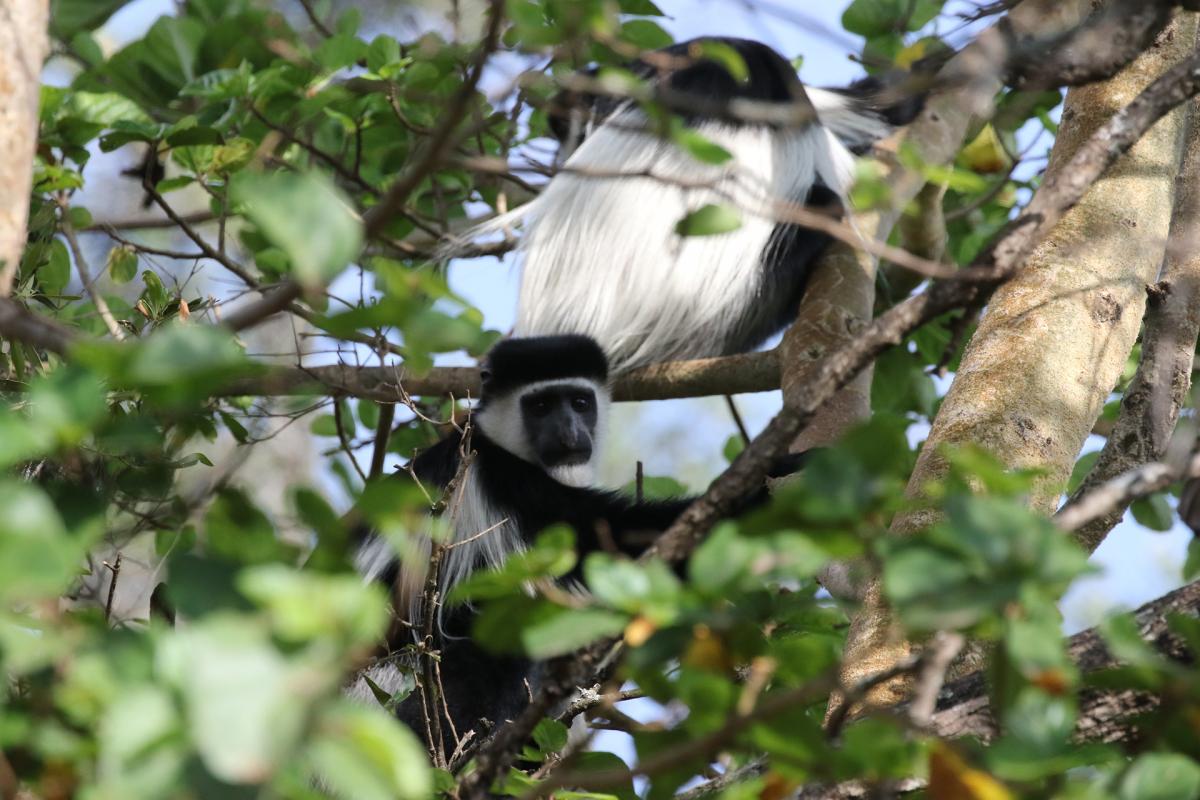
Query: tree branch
23 48
442 140
1053 343
1005 256
1159 389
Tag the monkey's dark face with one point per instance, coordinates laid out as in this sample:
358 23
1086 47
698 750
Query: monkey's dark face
560 424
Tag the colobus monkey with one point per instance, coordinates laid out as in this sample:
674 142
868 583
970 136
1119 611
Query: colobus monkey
536 435
600 254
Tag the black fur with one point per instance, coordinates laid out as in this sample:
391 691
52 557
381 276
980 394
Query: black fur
477 684
522 361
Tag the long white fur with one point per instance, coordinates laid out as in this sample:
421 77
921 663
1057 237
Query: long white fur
600 255
667 297
843 116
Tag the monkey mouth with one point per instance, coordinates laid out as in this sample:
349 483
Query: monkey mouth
566 458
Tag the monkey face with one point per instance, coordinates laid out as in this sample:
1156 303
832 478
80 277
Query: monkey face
560 424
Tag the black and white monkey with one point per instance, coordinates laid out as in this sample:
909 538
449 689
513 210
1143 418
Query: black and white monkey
536 436
599 252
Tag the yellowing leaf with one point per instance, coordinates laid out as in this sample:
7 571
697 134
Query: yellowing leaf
638 631
912 54
985 154
708 651
952 778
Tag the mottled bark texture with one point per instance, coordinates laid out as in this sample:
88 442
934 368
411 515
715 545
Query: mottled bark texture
23 48
1104 715
1055 337
1151 405
840 298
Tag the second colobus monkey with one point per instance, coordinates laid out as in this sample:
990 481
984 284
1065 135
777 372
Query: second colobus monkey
536 436
600 254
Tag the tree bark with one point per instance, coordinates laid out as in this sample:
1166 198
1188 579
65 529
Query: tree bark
1151 406
1104 715
1055 338
23 48
840 298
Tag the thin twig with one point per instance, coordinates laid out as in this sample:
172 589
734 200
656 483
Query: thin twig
443 140
85 276
341 434
115 569
737 419
383 433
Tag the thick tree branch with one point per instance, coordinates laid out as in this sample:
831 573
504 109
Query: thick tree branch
1103 501
749 372
963 708
23 48
1059 193
1159 389
1053 342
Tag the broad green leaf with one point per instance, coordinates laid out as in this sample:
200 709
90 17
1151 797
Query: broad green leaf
245 702
872 18
709 220
68 17
1161 776
304 215
1153 512
700 147
54 275
141 752
726 56
38 556
238 530
364 753
645 34
310 605
122 264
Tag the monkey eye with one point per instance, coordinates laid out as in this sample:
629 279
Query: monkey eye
540 406
581 403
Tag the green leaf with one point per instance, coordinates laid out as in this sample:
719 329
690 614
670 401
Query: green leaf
1081 469
246 703
384 50
645 34
721 561
644 8
181 362
871 18
726 56
1191 566
709 220
550 736
1153 512
518 623
238 530
54 275
122 264
68 17
304 215
362 752
105 109
701 148
140 744
37 556
1161 776
310 605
